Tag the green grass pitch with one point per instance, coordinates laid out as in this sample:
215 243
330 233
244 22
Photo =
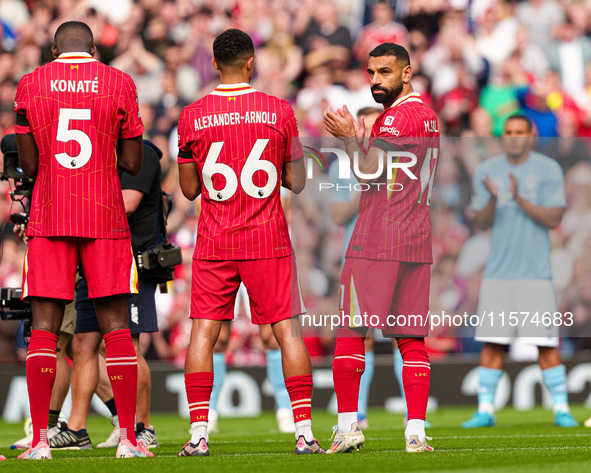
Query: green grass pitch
522 441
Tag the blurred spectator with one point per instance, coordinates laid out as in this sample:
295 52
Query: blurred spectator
496 33
185 79
567 150
456 105
324 41
144 68
355 93
499 98
117 11
203 27
453 49
382 29
280 58
569 54
540 18
534 104
13 15
317 87
531 57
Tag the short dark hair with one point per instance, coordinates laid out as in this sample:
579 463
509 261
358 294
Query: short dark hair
75 28
365 111
232 48
521 116
391 49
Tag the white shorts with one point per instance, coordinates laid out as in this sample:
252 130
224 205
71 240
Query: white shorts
518 308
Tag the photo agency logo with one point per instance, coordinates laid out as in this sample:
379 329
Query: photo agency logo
351 178
314 155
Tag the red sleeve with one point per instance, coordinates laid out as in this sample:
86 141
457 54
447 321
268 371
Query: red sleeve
185 153
293 146
21 106
131 125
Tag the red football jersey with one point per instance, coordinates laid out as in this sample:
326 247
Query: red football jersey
239 139
77 108
394 220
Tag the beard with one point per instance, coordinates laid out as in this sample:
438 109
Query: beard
389 95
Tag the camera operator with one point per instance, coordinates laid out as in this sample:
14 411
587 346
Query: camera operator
142 195
23 188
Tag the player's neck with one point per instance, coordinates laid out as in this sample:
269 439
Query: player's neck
74 51
234 79
72 48
515 160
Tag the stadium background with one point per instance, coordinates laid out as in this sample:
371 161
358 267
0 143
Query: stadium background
475 62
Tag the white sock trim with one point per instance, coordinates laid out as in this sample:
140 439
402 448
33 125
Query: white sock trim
346 420
304 427
487 407
198 431
415 427
562 407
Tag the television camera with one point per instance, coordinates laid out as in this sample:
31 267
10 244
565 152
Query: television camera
11 305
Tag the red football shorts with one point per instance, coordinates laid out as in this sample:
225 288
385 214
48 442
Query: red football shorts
269 284
51 262
389 295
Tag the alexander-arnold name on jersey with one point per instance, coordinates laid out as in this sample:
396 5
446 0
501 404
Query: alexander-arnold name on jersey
235 118
87 86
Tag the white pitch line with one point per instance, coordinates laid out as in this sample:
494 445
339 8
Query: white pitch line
501 449
464 437
532 436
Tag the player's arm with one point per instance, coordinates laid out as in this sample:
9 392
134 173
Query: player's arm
135 188
189 180
131 200
28 154
343 204
293 175
547 216
368 162
293 172
484 217
130 140
342 212
130 154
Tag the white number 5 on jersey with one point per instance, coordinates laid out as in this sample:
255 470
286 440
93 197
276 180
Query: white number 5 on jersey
65 134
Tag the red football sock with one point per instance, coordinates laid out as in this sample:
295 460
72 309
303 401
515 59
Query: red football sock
198 386
299 389
416 376
122 371
347 367
41 367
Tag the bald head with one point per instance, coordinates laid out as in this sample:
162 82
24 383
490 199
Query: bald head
73 36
